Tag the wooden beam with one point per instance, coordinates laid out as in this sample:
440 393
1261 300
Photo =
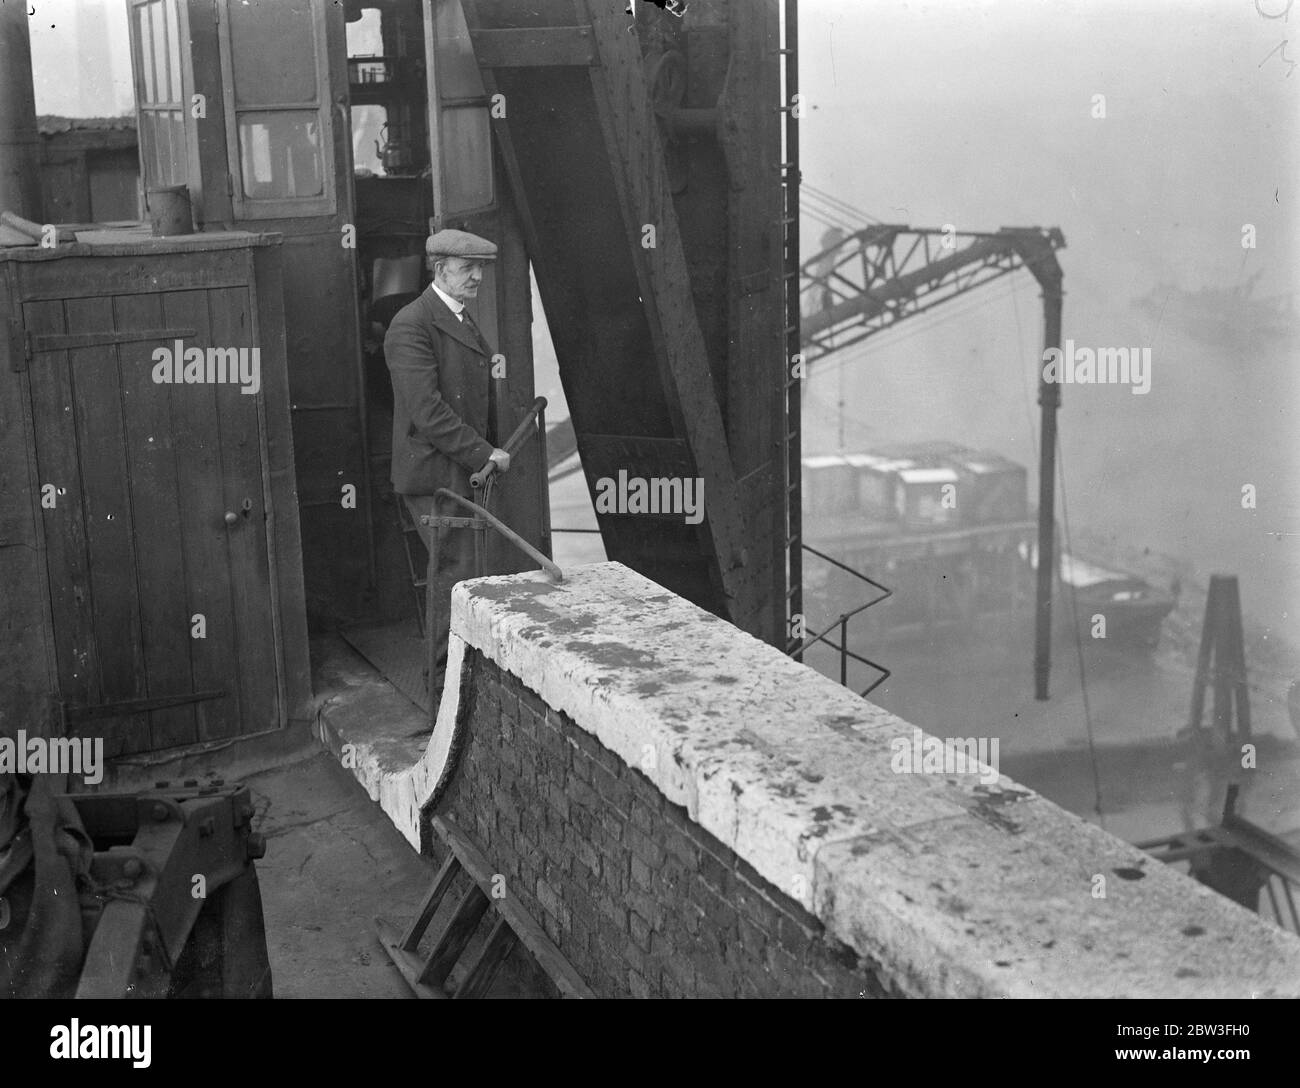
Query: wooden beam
634 151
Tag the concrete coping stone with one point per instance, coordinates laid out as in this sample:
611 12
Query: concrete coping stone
959 883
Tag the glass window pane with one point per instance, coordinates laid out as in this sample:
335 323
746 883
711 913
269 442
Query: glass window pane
364 36
158 18
174 53
166 149
144 25
280 155
466 158
367 131
162 149
162 136
179 170
273 52
147 146
458 72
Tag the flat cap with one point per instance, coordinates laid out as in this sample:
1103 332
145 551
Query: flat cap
460 243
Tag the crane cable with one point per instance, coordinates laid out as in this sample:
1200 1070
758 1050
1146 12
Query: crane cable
852 216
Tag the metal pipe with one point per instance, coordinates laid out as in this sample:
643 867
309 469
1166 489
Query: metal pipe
1049 397
505 530
20 143
544 476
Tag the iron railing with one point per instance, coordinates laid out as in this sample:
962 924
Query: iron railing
796 649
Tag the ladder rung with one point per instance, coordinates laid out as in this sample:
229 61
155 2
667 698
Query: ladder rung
479 975
411 938
455 936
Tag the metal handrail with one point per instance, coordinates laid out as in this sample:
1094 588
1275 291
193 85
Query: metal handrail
502 528
884 590
843 624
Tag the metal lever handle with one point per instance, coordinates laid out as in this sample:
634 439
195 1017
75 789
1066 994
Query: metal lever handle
523 431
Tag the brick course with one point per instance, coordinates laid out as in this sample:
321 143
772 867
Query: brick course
640 899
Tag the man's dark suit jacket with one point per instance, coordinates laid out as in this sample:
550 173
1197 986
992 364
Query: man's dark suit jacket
440 398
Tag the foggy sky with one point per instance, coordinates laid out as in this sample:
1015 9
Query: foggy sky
979 115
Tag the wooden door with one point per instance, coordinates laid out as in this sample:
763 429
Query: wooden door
156 532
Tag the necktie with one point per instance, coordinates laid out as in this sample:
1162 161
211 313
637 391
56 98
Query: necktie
492 385
478 335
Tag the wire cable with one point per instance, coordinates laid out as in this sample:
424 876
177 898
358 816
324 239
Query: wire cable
1078 643
843 206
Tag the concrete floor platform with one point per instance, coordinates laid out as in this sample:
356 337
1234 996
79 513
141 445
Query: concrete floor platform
333 861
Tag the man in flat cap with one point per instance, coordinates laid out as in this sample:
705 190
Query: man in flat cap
442 406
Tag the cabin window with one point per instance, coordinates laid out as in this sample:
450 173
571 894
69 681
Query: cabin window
277 109
368 133
156 57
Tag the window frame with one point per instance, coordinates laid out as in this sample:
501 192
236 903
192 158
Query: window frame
174 63
245 207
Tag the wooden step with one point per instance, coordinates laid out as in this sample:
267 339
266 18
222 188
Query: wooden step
510 926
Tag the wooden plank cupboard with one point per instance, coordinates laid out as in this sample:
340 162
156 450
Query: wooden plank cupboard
151 587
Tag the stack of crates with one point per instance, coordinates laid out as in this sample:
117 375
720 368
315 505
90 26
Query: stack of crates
993 490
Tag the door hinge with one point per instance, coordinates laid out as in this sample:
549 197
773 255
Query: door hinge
230 184
20 347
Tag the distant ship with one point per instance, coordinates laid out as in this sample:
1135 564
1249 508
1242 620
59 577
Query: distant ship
1223 315
949 530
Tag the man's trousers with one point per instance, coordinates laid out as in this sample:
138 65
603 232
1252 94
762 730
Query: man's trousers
455 564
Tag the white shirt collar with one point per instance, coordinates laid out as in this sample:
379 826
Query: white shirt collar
454 306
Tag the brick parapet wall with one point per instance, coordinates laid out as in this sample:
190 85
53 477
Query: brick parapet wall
640 899
687 810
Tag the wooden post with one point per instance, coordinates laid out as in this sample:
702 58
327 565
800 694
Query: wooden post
20 146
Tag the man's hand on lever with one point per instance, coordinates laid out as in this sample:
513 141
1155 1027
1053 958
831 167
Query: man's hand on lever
498 461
